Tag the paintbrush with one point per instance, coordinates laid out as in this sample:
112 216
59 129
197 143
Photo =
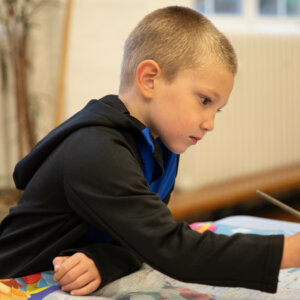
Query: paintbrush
278 203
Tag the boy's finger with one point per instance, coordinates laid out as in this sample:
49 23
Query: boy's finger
74 275
58 261
87 289
74 280
65 267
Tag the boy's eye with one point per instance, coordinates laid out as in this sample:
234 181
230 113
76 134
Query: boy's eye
205 100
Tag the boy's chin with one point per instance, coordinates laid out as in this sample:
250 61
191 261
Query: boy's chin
178 147
178 150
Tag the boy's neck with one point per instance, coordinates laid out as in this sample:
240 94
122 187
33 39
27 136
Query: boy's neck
136 104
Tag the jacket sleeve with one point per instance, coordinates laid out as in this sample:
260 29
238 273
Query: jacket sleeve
105 186
113 261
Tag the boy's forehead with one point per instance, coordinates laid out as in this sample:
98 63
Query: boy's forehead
215 79
207 70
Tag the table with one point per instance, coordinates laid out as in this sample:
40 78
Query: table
259 223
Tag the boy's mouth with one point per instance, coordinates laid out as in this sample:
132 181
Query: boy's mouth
194 139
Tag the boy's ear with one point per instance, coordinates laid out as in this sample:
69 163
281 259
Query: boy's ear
146 73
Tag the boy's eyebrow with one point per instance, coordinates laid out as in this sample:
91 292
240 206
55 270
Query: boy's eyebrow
216 95
212 92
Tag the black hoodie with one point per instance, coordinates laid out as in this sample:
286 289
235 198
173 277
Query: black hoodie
85 189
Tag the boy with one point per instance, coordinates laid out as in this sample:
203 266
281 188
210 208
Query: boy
96 188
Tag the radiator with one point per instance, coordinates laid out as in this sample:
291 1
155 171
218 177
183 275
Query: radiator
259 129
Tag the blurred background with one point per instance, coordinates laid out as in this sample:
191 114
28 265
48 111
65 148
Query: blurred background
56 55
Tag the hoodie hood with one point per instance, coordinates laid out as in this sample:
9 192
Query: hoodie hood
108 111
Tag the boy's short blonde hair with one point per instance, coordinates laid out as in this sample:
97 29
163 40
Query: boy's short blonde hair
176 38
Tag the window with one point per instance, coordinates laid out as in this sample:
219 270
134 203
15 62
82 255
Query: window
279 7
288 8
219 6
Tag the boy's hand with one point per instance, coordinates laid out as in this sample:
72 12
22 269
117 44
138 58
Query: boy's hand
291 252
77 274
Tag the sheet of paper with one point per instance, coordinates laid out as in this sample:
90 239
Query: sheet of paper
149 284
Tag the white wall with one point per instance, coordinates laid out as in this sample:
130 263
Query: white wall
237 146
98 31
259 129
243 141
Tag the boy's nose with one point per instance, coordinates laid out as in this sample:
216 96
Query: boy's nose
208 124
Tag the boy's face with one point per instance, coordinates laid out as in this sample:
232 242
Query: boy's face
182 112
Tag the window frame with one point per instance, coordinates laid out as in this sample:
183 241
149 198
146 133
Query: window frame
250 13
251 20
